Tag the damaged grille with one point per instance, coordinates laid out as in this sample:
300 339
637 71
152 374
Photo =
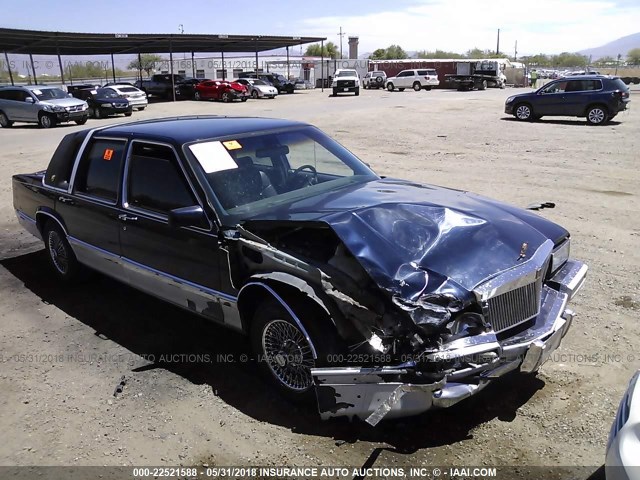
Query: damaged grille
514 307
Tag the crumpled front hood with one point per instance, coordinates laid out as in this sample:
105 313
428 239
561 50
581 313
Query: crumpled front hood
414 238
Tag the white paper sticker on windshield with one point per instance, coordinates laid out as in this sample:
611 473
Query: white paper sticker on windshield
213 157
37 92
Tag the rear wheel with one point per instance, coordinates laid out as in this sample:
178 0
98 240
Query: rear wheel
127 114
141 109
335 92
4 120
416 86
390 87
597 115
401 89
523 112
61 256
46 121
482 85
98 113
427 89
196 96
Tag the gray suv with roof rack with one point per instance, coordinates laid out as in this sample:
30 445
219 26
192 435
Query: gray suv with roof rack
40 104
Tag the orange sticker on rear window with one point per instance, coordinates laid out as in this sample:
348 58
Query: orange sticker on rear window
232 145
108 153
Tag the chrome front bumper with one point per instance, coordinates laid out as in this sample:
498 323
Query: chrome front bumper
374 393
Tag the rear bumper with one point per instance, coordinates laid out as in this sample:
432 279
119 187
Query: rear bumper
374 393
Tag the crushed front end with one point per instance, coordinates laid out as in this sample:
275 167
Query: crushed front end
511 321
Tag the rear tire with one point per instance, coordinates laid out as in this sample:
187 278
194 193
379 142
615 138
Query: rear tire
196 96
4 121
61 257
597 115
335 92
428 89
128 114
46 121
141 109
401 89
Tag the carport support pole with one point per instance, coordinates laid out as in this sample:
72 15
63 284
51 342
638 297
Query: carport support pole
173 82
322 65
193 66
61 69
6 57
288 71
113 69
256 57
140 67
33 68
224 70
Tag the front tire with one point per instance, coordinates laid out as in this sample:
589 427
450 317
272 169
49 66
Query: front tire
61 257
357 92
254 94
390 87
226 97
417 87
335 92
284 352
523 112
597 115
46 121
83 120
196 96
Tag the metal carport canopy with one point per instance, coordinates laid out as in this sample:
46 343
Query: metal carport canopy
71 43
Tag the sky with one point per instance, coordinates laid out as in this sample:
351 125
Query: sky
540 26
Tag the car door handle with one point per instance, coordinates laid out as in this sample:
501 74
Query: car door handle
68 200
126 218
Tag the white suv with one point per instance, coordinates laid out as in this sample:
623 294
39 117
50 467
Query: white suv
417 79
345 81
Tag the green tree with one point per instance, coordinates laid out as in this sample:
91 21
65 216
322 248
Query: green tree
633 56
437 54
566 59
147 62
605 61
330 50
392 52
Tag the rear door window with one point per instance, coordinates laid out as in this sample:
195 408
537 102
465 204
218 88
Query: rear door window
156 181
99 170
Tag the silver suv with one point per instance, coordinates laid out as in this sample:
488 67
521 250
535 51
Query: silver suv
40 104
374 79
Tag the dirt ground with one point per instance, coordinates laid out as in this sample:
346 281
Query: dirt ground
63 351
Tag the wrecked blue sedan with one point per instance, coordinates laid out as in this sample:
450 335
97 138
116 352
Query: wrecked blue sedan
380 297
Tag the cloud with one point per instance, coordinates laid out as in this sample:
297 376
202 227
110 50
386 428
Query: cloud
543 26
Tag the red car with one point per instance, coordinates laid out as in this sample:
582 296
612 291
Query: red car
217 90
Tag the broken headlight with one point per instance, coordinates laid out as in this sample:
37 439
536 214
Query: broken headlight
430 311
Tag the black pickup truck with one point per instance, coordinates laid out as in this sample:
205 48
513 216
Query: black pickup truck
384 297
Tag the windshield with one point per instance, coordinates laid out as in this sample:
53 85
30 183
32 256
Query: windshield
128 89
377 74
106 93
281 78
254 174
347 73
49 93
258 82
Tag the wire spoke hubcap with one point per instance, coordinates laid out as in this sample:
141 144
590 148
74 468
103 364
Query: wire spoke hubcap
58 252
288 355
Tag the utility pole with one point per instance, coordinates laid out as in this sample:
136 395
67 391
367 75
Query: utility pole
498 45
341 34
618 63
515 52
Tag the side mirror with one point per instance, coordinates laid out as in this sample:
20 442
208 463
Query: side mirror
29 100
192 216
69 95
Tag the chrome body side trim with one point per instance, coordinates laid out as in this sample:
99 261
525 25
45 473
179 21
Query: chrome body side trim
295 318
28 223
190 296
41 212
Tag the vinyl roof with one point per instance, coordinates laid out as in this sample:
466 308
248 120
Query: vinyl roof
71 43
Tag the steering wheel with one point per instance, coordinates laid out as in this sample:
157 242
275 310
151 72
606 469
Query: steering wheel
298 182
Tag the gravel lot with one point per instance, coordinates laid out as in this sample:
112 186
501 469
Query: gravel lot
63 352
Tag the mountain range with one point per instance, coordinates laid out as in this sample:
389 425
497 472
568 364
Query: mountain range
612 49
